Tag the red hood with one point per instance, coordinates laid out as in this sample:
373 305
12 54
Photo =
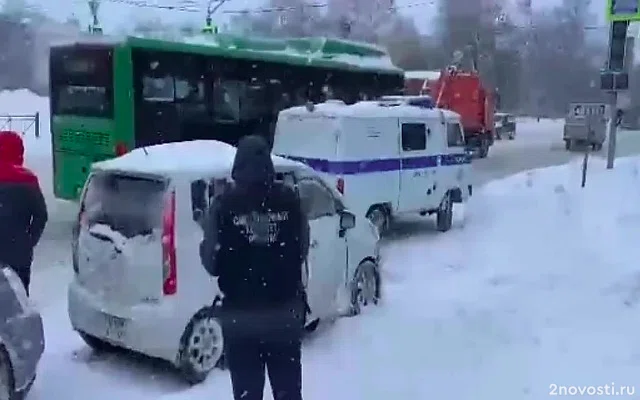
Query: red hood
11 148
11 159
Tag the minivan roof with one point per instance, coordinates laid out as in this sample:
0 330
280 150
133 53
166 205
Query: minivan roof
196 158
368 109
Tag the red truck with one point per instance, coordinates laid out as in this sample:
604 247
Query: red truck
464 93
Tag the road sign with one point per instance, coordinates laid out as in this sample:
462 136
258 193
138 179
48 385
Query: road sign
623 10
588 109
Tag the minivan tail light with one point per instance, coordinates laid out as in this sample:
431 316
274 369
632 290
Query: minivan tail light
120 149
340 185
169 265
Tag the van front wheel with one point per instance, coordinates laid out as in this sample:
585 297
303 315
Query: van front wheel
365 287
379 217
201 346
444 218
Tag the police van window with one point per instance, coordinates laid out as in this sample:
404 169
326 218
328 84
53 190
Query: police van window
317 201
414 137
288 178
455 138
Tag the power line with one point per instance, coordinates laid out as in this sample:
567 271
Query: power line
191 6
144 4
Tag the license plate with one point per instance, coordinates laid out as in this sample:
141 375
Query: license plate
116 327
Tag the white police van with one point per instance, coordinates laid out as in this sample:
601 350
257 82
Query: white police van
386 157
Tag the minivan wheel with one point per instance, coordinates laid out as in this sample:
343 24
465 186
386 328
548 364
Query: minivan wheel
201 346
7 385
379 217
444 218
365 288
96 344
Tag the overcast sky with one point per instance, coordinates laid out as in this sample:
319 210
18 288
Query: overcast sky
115 13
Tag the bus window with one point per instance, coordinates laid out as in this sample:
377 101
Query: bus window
82 82
237 101
158 90
82 100
189 91
255 102
169 89
226 100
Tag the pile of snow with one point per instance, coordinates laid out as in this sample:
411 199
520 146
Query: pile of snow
540 287
25 102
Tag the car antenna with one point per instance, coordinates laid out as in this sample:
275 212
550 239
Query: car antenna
144 148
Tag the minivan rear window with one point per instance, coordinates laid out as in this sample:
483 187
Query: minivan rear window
130 205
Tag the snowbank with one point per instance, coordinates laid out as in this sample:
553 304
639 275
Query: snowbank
24 102
538 285
192 157
541 287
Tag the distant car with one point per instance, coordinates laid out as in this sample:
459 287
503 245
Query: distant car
505 126
139 282
21 338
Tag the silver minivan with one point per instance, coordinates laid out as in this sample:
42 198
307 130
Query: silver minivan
21 338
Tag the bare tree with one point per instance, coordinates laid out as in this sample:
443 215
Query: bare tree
297 18
564 63
366 20
410 50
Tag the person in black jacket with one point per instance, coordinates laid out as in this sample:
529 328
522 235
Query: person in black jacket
23 212
255 242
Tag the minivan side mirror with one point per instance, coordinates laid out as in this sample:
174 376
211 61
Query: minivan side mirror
347 220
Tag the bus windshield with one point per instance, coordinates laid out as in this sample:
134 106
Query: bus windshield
82 82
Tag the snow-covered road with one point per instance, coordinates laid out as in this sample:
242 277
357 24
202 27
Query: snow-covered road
536 285
539 144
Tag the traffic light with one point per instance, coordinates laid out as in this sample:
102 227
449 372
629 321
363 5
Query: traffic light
623 10
617 45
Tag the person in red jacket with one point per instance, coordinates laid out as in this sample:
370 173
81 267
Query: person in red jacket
23 212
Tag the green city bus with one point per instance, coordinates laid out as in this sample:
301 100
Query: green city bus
111 95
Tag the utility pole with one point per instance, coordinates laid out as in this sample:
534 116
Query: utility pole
209 27
616 78
94 7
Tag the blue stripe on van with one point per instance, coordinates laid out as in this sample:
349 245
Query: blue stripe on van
382 165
